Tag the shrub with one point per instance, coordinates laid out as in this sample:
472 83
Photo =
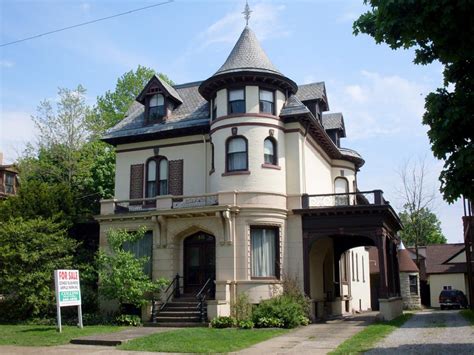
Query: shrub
283 308
245 324
292 289
223 322
241 309
269 322
128 320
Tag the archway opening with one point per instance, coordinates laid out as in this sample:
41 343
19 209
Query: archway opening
199 261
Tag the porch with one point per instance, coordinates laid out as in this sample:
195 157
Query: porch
334 223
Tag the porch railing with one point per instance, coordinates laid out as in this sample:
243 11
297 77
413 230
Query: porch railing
358 198
172 291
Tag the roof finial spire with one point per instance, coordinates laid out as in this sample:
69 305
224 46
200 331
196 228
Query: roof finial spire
247 12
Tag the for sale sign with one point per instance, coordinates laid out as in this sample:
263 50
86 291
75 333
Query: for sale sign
68 292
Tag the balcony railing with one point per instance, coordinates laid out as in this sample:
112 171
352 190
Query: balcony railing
164 202
223 199
358 198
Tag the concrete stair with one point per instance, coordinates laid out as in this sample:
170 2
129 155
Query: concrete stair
180 312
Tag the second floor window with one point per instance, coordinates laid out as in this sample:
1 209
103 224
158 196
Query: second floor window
237 154
341 188
267 104
9 183
156 109
214 109
236 101
269 151
157 177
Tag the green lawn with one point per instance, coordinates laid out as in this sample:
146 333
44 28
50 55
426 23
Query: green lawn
373 333
202 340
40 335
469 315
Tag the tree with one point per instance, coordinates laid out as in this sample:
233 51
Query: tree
426 222
442 31
121 273
63 131
30 250
113 105
417 200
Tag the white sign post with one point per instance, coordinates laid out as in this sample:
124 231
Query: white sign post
68 292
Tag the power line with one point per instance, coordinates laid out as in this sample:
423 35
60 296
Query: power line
86 23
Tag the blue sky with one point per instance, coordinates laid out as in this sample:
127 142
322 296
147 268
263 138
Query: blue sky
380 91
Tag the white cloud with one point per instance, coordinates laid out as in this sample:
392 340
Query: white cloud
356 93
16 130
6 63
264 20
380 105
85 6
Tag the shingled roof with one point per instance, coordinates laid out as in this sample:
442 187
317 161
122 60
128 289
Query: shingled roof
437 260
192 113
333 121
247 54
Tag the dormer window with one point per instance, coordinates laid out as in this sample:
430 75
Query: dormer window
267 101
156 110
236 101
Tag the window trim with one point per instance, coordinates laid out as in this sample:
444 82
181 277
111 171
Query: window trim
157 159
410 285
148 97
277 252
275 152
228 100
236 171
342 196
260 88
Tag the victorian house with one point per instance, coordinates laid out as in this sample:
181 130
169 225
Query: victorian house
241 180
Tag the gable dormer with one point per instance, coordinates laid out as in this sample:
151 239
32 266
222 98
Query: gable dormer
159 99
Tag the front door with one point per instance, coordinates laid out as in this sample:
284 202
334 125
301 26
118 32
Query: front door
199 261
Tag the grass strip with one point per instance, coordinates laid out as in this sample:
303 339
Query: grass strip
41 335
373 333
469 315
201 340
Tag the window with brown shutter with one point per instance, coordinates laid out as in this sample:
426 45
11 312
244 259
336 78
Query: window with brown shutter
136 181
175 186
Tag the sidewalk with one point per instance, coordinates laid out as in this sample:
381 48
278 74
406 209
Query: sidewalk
320 338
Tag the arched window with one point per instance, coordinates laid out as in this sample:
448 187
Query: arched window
236 152
341 186
270 151
163 179
156 107
157 177
151 179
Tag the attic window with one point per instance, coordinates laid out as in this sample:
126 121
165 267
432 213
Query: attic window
156 108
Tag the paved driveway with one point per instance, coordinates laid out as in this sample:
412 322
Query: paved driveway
430 332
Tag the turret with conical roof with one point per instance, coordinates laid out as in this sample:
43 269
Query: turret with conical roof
247 63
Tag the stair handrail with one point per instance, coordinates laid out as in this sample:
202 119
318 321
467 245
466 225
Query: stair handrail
174 284
201 296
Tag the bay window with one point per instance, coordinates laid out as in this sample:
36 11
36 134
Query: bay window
264 252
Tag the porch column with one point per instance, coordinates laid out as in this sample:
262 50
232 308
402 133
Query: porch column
306 246
383 281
